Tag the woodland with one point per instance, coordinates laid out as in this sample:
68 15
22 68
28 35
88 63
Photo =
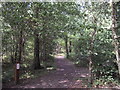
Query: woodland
87 34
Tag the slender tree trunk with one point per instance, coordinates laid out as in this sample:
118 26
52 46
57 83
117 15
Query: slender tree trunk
6 49
114 33
70 45
36 46
44 47
44 52
40 47
91 48
16 53
23 45
90 56
12 49
20 46
36 51
66 46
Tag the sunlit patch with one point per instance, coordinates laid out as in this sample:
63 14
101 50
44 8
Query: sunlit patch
29 87
38 84
32 87
50 68
77 62
44 83
64 81
60 57
83 75
87 74
41 80
65 74
65 85
51 84
78 81
85 86
60 69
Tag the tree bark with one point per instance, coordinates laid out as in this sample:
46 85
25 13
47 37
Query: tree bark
114 33
70 45
90 56
36 46
66 46
36 51
16 53
44 46
12 49
20 46
91 48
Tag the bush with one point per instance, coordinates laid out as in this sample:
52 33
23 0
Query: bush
103 66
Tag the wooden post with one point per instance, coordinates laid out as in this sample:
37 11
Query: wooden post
17 68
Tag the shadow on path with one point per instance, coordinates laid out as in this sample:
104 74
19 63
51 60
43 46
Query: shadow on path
67 75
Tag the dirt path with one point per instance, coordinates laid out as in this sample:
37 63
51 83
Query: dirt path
66 76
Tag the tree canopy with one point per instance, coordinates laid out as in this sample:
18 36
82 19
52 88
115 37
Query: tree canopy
87 33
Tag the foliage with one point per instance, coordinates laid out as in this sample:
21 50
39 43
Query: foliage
66 27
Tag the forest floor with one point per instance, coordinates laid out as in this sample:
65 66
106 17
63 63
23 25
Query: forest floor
67 75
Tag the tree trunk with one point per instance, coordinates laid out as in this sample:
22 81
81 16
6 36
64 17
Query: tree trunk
114 33
23 46
36 46
66 46
36 51
20 46
44 47
91 54
70 45
16 53
12 50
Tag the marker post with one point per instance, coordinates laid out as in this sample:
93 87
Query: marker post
17 68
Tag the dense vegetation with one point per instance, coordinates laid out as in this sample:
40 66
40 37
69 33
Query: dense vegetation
88 33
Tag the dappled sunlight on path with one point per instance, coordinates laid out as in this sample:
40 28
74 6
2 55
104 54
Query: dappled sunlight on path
60 57
65 76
